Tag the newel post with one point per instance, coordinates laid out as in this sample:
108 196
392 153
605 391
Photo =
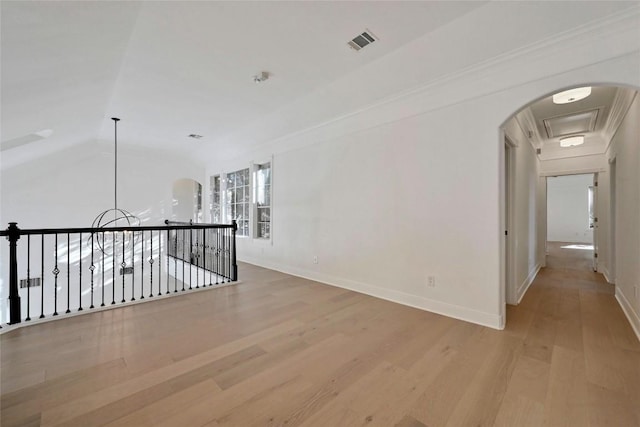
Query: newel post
14 296
234 265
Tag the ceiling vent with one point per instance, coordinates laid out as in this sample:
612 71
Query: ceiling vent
195 136
362 40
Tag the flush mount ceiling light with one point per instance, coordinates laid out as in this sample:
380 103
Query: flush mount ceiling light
259 78
572 141
572 95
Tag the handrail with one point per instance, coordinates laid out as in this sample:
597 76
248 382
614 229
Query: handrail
25 232
210 249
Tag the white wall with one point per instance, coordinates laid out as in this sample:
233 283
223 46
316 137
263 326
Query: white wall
186 195
625 148
568 208
398 175
70 188
526 219
410 188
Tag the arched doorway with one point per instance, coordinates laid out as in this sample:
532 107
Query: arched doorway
545 138
187 200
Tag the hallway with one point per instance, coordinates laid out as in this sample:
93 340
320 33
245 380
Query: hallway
281 350
578 345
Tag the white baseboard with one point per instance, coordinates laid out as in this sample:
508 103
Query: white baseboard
524 286
466 314
605 272
628 310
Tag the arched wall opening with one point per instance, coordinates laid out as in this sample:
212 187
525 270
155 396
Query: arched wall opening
187 200
523 195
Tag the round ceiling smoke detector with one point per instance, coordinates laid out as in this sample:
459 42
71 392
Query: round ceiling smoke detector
572 95
259 78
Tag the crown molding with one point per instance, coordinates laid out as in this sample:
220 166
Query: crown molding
621 104
527 122
614 36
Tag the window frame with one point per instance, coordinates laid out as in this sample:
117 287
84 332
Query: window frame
255 209
226 199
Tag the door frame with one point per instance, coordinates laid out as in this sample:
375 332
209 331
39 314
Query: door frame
509 164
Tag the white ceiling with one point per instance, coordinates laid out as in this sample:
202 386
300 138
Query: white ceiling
169 69
549 122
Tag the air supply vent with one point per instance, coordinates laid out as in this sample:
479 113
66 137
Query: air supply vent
362 40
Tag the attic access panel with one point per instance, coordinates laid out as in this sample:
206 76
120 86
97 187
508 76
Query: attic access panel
570 124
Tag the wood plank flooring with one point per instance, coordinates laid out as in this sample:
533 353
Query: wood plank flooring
277 350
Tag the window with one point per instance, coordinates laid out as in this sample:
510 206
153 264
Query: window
244 196
237 200
262 200
215 204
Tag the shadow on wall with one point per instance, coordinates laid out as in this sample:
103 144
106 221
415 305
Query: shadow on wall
187 200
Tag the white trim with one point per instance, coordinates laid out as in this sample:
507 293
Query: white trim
616 30
605 272
619 108
530 124
524 286
632 316
446 309
573 171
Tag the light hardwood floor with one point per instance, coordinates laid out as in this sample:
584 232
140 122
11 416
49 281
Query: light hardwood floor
277 350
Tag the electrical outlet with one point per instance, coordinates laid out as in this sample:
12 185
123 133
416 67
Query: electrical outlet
431 281
315 259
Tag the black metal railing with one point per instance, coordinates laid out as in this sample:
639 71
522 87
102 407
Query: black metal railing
58 271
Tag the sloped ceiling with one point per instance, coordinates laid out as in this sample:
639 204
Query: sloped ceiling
169 69
172 68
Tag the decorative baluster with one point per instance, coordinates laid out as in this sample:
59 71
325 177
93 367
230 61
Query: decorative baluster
92 267
113 267
123 264
142 269
167 252
197 260
55 272
183 261
68 275
42 275
175 262
102 267
133 265
224 254
151 267
28 277
217 255
190 255
80 269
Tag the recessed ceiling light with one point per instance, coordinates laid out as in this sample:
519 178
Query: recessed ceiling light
195 136
572 95
572 141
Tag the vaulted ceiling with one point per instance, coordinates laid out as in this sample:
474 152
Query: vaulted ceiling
170 69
